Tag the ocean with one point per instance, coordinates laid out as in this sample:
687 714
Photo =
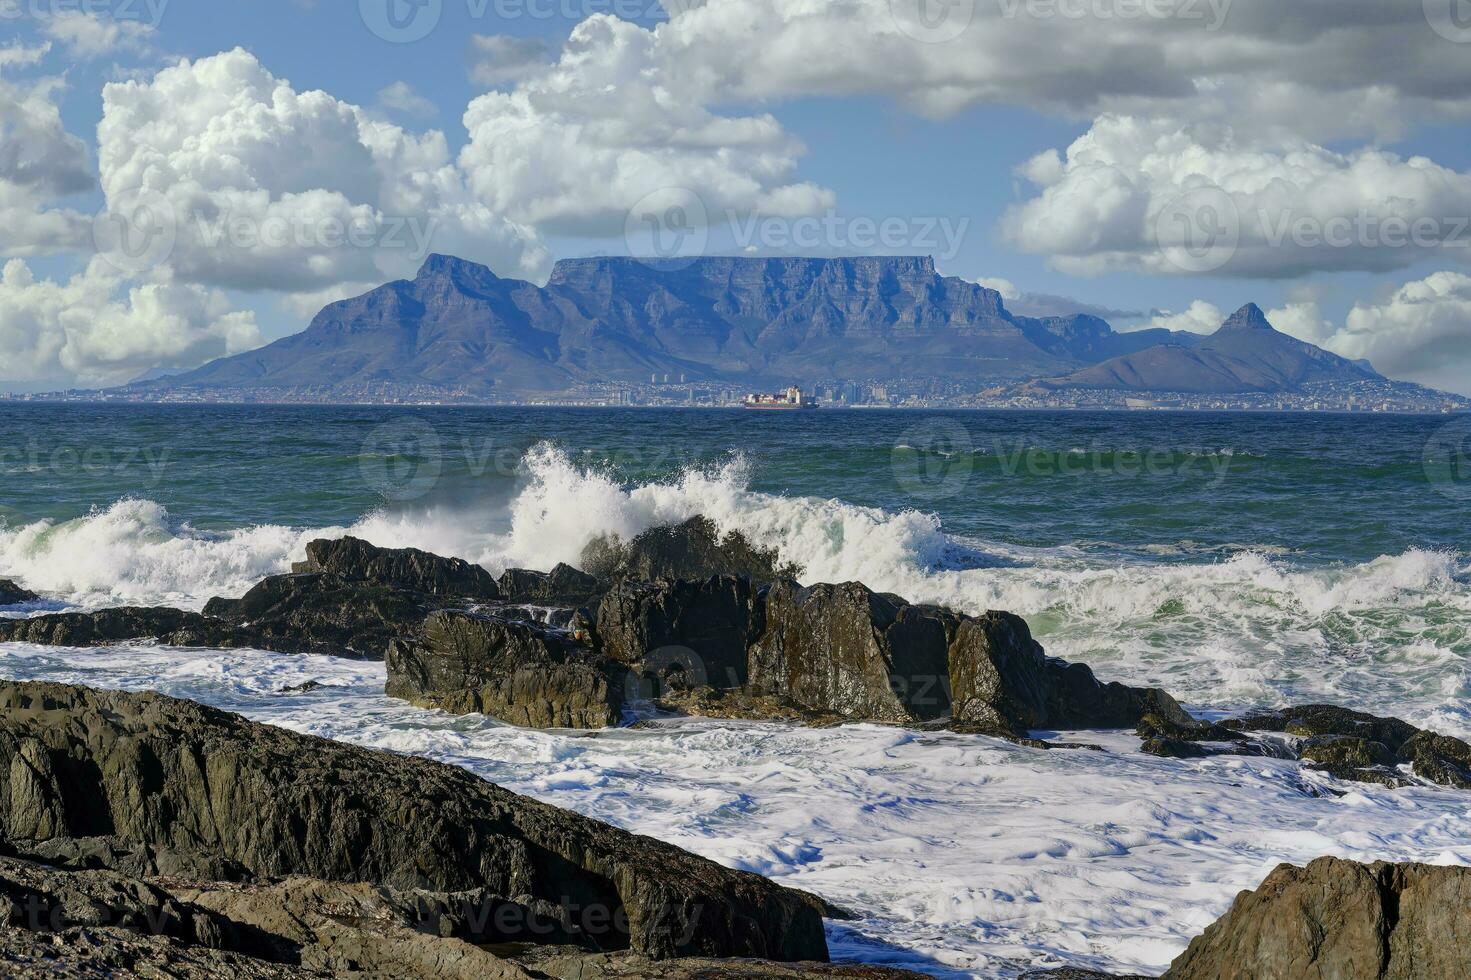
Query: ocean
1237 560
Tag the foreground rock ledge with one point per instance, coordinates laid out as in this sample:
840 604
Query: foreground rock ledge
148 771
1341 920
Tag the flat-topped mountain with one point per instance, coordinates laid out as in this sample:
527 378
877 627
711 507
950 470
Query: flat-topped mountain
1247 354
734 320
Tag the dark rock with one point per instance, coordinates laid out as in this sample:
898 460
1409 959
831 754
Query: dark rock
141 860
1003 685
692 550
682 634
151 770
853 652
562 586
1171 739
1343 920
1068 973
1439 758
1076 699
13 595
522 673
1364 747
410 569
1313 720
558 963
74 924
119 625
998 676
325 614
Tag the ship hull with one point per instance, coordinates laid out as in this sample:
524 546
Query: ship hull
779 408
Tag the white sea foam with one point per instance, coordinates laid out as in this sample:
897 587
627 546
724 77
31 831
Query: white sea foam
961 855
1391 634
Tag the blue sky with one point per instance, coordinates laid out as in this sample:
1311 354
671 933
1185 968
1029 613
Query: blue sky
782 117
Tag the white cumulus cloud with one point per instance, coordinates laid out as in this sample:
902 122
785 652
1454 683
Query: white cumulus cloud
1136 194
95 329
273 189
575 146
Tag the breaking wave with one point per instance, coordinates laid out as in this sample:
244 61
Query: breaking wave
1251 627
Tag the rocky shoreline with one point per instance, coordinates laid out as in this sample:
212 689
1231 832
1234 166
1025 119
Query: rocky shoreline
247 843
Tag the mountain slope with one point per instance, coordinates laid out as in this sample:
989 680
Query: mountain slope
736 320
1247 354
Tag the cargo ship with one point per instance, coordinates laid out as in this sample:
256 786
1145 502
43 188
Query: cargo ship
791 400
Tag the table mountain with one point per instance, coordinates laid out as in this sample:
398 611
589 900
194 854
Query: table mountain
731 320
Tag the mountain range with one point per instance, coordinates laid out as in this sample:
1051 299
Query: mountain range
745 322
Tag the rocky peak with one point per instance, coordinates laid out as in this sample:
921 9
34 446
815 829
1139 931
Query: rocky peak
461 272
1249 317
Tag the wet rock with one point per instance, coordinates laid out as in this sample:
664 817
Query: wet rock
13 595
1367 748
692 550
1076 699
998 676
1171 739
560 964
355 560
151 770
324 614
522 673
142 860
682 634
122 624
1344 920
851 651
562 586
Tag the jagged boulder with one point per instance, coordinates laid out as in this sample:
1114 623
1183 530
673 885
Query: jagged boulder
692 550
1077 699
152 770
1367 748
562 586
682 634
317 612
998 675
1341 920
854 652
1002 682
96 922
12 594
173 626
354 560
523 673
